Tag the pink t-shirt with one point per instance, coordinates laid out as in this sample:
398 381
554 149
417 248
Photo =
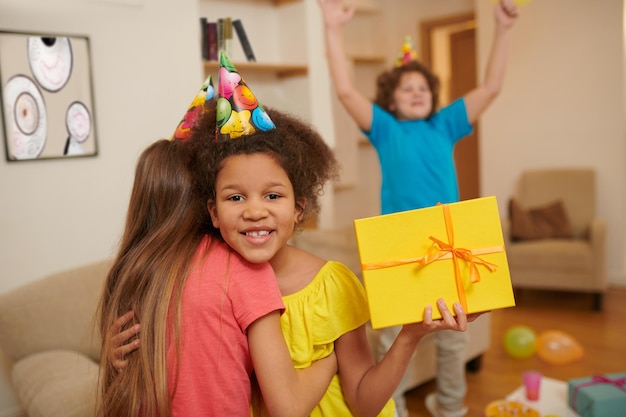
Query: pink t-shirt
223 295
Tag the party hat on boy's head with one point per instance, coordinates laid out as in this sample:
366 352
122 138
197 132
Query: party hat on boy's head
407 53
238 111
194 111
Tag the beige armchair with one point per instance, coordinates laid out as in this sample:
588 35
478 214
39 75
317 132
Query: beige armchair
49 332
576 262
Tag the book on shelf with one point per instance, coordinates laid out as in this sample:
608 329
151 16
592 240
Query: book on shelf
243 40
228 36
203 33
212 41
220 34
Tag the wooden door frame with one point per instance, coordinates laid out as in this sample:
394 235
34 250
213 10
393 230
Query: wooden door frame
428 26
467 152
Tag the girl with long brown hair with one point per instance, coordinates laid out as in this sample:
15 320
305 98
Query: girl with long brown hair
208 317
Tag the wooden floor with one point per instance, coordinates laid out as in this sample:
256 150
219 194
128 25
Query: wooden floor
602 334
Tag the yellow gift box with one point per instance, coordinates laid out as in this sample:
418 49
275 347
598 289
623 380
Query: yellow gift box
451 251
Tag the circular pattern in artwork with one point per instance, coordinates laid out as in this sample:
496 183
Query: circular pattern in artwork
50 60
26 113
78 121
27 116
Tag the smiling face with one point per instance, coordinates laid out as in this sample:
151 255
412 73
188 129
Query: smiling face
255 207
412 98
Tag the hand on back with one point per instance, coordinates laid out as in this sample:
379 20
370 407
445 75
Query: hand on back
120 342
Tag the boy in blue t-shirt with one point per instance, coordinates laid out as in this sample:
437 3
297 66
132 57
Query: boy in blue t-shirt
415 144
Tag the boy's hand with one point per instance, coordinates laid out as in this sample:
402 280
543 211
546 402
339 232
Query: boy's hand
116 339
506 13
334 12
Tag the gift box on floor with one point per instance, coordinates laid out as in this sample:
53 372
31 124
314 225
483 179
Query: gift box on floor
598 395
450 251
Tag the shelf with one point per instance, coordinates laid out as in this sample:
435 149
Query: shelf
344 186
281 70
363 142
367 59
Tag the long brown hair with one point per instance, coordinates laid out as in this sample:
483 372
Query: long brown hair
162 232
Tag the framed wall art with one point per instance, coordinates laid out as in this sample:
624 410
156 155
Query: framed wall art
46 96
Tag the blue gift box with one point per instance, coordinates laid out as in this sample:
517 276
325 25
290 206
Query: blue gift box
598 395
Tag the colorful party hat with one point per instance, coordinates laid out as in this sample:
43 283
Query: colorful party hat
238 111
407 53
195 110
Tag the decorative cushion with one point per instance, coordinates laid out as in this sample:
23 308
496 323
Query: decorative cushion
56 383
549 221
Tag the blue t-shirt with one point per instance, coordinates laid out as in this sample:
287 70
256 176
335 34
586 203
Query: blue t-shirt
416 157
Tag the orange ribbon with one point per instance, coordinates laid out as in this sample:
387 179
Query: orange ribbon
447 251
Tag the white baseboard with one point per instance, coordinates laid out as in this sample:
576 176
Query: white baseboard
13 412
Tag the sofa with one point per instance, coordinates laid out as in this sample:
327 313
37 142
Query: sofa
48 331
340 245
555 240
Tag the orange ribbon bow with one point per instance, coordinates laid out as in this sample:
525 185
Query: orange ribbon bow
441 250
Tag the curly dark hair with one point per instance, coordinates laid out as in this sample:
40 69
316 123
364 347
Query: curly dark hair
307 160
388 81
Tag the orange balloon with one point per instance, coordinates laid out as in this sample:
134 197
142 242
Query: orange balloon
558 348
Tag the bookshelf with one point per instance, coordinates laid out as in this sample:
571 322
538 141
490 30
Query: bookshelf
273 27
281 70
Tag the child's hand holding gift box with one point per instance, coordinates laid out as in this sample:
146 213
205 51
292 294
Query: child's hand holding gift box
452 251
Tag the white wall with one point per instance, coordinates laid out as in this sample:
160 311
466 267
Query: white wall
562 104
56 214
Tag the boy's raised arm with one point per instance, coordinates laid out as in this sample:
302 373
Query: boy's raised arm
477 100
356 104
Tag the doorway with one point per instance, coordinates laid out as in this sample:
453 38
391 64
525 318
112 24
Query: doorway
449 49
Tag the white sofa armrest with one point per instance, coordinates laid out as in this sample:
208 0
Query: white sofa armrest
55 312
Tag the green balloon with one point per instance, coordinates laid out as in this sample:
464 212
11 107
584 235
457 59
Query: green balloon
520 342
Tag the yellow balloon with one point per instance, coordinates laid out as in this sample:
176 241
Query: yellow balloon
558 348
